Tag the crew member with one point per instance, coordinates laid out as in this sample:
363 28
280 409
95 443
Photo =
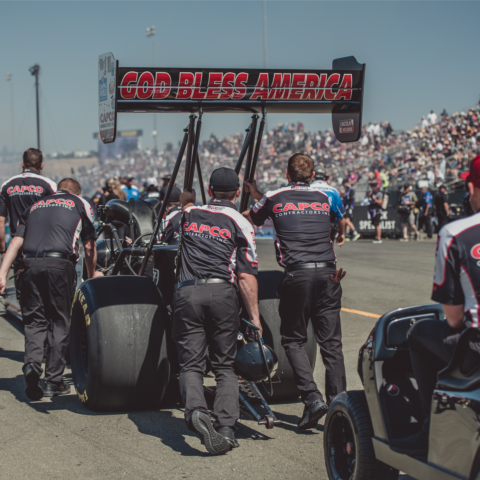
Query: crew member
427 209
151 190
218 256
375 210
20 192
441 206
408 200
166 180
336 205
348 200
49 233
130 189
310 289
171 222
457 287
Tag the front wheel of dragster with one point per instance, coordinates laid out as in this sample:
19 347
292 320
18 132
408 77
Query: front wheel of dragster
347 441
118 344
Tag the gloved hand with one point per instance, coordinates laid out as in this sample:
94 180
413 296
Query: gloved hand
339 274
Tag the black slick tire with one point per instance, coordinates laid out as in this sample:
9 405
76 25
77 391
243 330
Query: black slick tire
347 441
118 344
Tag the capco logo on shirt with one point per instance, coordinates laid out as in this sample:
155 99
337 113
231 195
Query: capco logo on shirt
213 231
53 202
301 206
475 251
24 189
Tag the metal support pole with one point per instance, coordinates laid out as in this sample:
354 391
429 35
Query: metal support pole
35 70
246 144
246 176
253 166
191 134
195 152
200 181
163 208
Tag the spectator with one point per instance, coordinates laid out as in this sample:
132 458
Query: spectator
441 207
129 188
408 201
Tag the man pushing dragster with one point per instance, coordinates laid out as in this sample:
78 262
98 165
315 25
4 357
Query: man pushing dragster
310 289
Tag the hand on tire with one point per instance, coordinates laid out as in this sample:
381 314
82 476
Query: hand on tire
339 274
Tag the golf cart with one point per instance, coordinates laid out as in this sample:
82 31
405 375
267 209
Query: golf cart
122 355
360 424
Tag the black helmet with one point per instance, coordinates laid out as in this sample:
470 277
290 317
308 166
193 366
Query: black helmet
320 172
249 363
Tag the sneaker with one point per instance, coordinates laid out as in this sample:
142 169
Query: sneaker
54 390
377 241
214 442
416 445
417 236
404 239
229 434
356 237
312 415
32 375
347 239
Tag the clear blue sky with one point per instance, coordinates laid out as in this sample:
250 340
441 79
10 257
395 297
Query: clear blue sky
419 56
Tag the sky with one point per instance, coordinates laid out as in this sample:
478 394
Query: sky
419 56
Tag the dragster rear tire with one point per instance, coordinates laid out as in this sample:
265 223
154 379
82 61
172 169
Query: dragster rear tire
268 282
118 345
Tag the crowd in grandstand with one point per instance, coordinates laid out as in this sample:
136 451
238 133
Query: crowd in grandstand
437 150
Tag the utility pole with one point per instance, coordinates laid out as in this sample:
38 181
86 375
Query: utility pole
265 47
151 33
12 120
35 70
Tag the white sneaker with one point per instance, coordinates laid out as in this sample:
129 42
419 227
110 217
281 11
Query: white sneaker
404 239
356 237
377 241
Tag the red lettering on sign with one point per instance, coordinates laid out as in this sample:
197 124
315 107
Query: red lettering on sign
214 84
297 82
346 84
260 90
280 86
277 208
240 89
197 94
145 86
321 90
316 206
163 82
332 80
225 233
186 80
227 86
311 83
214 233
127 80
289 206
303 206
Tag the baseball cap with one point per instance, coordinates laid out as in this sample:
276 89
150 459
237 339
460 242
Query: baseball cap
474 174
129 177
152 181
167 177
175 195
224 180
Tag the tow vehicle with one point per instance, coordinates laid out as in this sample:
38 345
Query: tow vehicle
122 355
360 424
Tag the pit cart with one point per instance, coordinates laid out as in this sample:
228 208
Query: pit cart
360 424
122 355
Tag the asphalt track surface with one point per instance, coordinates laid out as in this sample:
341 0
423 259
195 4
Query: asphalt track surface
59 438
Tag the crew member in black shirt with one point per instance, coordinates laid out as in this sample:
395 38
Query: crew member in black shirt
218 256
20 192
166 180
171 222
456 286
49 233
310 289
441 207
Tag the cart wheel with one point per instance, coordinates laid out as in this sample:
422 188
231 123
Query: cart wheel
270 423
347 441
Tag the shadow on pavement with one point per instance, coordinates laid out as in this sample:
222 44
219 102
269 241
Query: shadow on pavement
14 322
12 355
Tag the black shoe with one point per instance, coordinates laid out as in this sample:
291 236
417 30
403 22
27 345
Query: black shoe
53 390
34 390
214 442
312 415
415 445
229 434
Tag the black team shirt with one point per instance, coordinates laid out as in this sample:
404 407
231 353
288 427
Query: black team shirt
217 242
301 219
55 224
22 191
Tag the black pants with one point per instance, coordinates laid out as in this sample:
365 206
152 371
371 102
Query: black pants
305 295
207 315
426 220
442 220
48 286
432 343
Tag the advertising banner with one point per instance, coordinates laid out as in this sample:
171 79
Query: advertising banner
107 104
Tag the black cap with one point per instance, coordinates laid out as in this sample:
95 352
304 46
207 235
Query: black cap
175 195
320 172
224 180
167 177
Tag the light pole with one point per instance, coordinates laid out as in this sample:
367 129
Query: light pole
151 33
10 79
35 70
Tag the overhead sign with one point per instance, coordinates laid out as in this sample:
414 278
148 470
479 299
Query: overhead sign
107 105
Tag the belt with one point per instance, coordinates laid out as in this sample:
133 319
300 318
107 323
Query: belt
305 266
65 256
202 281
